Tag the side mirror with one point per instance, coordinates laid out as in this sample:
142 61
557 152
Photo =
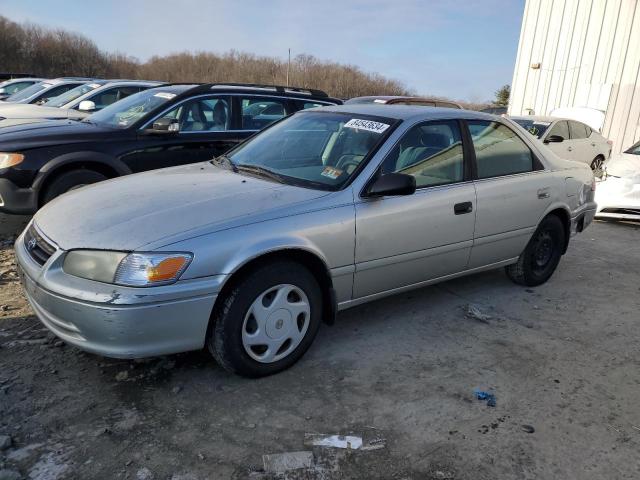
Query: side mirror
87 106
165 125
554 139
42 101
392 184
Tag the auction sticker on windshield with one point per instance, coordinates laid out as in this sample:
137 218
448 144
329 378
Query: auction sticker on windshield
367 125
331 172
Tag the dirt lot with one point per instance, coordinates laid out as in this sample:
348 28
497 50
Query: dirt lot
561 359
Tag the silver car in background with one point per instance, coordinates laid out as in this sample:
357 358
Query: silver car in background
324 210
569 139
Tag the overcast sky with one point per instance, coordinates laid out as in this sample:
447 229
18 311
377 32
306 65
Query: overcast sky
460 49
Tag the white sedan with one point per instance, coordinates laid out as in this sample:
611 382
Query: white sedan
569 139
618 194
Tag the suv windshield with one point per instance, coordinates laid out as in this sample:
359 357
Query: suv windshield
535 128
321 150
126 112
71 95
27 92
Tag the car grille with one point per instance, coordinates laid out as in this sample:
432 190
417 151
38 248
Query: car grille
39 248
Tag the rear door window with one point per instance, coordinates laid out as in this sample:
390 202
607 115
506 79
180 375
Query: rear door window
578 130
499 151
259 112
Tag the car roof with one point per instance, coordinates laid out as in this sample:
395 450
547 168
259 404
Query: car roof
23 79
407 112
535 118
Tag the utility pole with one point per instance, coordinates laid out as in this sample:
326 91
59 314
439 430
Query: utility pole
288 67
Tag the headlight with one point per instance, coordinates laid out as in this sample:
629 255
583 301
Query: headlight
133 269
10 159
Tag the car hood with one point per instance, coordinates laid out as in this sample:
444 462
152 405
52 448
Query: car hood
625 165
128 213
27 134
38 111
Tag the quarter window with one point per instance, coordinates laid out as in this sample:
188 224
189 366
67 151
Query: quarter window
431 152
499 151
561 129
259 112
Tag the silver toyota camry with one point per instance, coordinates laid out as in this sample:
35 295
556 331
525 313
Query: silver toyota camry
327 209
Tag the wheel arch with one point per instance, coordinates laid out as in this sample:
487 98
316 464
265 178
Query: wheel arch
99 162
306 257
563 213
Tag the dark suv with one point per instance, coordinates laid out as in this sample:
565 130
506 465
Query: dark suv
156 128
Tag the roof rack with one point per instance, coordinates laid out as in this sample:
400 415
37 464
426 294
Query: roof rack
277 88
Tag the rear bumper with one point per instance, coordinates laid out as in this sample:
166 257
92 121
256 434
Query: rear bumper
15 200
123 322
583 217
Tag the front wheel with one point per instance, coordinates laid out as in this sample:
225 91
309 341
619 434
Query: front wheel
542 254
267 321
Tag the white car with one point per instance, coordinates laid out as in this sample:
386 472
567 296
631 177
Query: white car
14 85
569 139
618 194
74 104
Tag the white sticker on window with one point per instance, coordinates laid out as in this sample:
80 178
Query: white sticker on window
377 100
367 125
166 95
94 85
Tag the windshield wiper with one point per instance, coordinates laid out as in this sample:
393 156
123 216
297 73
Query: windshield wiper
261 172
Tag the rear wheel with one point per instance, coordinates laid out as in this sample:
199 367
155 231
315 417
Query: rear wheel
70 181
596 165
542 254
267 321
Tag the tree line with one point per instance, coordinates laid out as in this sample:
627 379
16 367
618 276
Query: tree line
50 53
44 52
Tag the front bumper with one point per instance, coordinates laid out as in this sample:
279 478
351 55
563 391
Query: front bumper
618 198
119 322
15 200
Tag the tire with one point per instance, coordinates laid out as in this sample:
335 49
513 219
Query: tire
596 166
276 291
70 180
540 258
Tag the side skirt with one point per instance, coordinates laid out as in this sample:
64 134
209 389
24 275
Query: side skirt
359 301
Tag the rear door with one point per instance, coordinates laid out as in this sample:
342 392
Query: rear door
583 149
404 240
512 193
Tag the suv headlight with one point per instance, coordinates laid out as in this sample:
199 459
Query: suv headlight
127 269
10 159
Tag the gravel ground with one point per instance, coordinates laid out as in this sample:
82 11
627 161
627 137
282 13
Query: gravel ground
561 359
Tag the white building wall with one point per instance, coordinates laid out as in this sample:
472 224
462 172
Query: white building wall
589 56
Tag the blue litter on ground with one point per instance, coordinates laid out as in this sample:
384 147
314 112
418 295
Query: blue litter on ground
489 397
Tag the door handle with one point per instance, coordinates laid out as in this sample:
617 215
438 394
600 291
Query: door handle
543 193
570 148
593 144
462 208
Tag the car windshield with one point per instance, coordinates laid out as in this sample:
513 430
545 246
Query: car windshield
321 150
28 92
534 127
71 95
126 112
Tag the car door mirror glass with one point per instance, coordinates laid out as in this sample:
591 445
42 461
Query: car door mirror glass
87 106
554 139
392 184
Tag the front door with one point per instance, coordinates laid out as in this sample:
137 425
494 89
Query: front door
205 132
405 240
511 192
